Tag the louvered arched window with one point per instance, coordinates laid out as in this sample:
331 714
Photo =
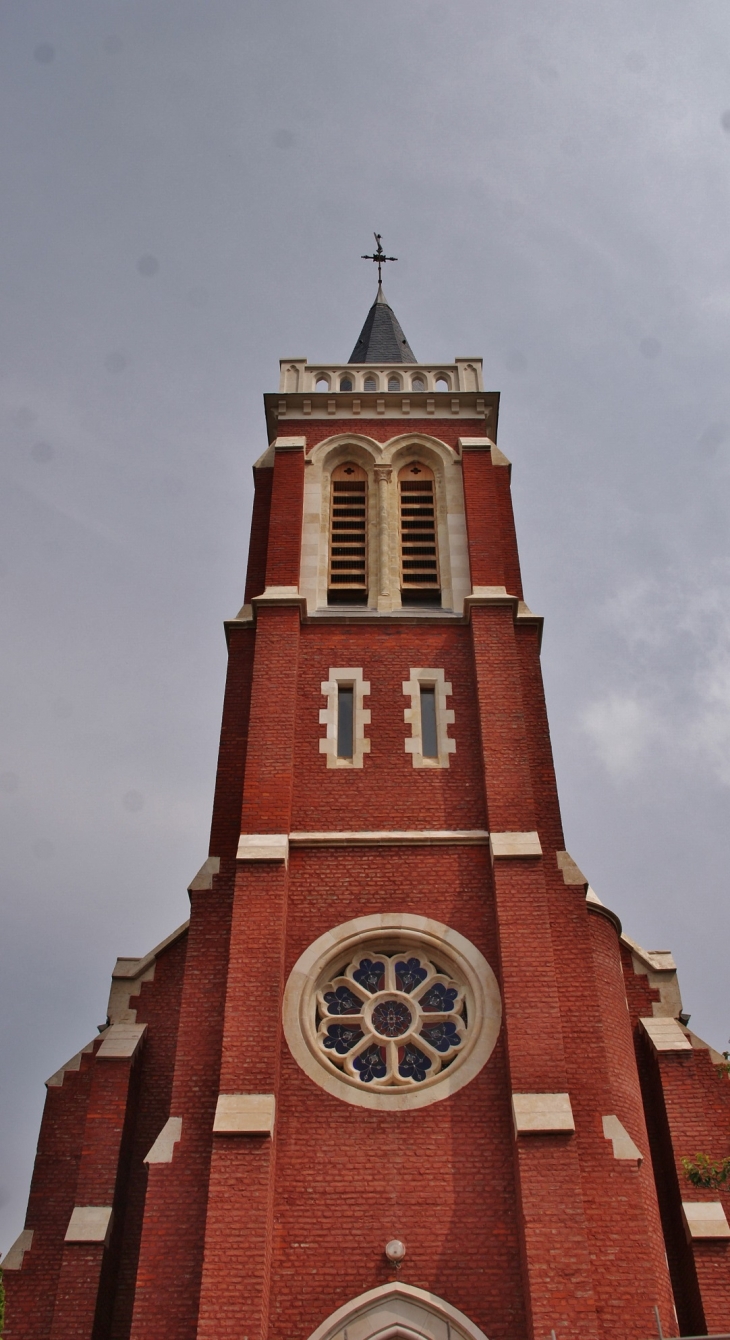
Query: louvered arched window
348 570
420 584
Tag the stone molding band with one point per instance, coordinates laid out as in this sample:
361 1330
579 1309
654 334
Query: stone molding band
275 846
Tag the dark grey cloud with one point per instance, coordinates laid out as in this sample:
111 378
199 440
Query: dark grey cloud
555 183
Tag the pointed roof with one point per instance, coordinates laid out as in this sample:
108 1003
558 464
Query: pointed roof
381 338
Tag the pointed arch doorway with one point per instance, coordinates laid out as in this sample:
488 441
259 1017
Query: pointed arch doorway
397 1312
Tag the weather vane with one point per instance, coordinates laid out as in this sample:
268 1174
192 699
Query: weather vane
379 256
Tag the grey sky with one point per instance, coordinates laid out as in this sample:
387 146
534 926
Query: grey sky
187 189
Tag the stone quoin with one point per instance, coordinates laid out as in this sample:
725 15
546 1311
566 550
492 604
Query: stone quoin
401 1073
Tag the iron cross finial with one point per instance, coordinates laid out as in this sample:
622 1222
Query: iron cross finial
379 256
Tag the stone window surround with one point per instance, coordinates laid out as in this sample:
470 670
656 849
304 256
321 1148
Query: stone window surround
450 949
348 677
444 717
382 462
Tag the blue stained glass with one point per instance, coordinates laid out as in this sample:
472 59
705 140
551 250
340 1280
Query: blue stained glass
370 975
415 1065
439 997
409 974
371 1065
342 1039
441 1036
342 1001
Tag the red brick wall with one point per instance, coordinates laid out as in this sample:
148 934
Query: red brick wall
348 1179
382 430
170 1258
158 1006
285 526
486 550
256 574
31 1292
510 553
226 819
271 1236
387 792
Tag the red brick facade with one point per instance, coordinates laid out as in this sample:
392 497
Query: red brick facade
240 1236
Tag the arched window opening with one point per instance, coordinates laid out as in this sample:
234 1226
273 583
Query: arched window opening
442 382
348 579
394 384
346 384
322 384
418 384
370 383
420 583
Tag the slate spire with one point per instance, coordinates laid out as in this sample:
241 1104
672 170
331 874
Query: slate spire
381 338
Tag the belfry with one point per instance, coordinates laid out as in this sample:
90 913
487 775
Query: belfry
401 1074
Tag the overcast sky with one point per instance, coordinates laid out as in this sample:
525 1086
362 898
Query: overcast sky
186 191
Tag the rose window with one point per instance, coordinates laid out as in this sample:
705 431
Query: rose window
391 1020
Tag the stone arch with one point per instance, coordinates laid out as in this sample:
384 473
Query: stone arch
398 1312
324 458
446 467
291 379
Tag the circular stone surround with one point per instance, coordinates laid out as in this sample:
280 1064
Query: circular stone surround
331 999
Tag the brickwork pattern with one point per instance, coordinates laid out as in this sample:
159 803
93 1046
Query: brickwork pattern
257 1238
228 799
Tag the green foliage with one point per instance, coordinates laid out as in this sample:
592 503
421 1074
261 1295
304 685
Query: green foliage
706 1172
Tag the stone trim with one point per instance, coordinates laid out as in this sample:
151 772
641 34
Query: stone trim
296 375
449 948
444 717
594 904
394 1310
572 874
361 716
56 1080
507 846
542 1113
128 976
661 970
120 1042
487 596
279 595
623 1146
245 1114
13 1259
666 1035
164 1146
290 444
475 443
89 1223
204 878
704 1219
263 847
427 837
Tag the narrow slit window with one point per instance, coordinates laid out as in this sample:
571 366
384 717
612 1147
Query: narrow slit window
345 721
429 733
348 573
420 583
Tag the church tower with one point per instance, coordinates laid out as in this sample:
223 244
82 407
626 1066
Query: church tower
401 1074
